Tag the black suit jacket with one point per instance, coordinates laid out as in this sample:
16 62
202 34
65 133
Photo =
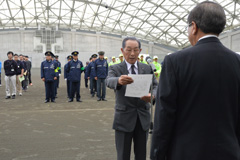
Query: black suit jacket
197 114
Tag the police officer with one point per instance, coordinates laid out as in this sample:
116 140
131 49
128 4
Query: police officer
120 58
101 72
75 69
85 75
49 75
91 75
157 66
66 76
142 60
113 61
59 69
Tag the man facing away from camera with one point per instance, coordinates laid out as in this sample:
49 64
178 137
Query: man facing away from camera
197 114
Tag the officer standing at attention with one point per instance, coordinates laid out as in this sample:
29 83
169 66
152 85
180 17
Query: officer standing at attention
91 75
113 61
120 58
48 75
59 73
142 60
10 68
59 69
157 66
75 69
66 76
85 75
19 73
101 72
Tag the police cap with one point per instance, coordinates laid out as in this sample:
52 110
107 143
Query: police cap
75 53
56 56
94 56
69 57
49 53
101 52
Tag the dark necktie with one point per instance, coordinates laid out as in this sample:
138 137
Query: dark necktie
133 71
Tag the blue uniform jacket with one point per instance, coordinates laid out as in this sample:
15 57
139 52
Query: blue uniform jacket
91 70
66 75
48 70
101 68
75 68
85 72
0 66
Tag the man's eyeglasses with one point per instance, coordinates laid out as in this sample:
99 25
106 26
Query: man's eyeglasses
189 25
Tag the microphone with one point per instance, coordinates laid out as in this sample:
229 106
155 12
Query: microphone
149 61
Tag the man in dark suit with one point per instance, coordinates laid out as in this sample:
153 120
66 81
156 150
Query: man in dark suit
197 114
132 117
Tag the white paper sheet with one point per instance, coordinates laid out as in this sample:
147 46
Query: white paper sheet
140 87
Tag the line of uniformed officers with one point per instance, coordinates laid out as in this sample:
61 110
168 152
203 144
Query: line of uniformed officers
96 71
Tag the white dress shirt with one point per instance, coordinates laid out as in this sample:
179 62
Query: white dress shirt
130 69
207 36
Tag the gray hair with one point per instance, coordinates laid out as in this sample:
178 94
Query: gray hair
130 38
209 17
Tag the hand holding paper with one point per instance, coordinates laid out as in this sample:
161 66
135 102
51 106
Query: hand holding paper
140 86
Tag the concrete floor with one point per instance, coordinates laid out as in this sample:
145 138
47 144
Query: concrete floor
33 130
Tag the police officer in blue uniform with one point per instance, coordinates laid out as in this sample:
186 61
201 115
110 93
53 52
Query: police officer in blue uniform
75 69
66 75
59 73
91 75
101 72
49 75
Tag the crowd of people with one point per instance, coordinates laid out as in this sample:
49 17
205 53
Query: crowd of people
17 74
96 72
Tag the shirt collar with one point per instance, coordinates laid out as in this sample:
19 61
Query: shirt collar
207 36
130 65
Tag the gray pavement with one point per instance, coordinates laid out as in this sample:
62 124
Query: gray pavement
33 130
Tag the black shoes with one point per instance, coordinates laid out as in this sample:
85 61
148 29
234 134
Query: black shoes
70 100
103 99
8 97
13 96
78 100
99 99
46 101
53 101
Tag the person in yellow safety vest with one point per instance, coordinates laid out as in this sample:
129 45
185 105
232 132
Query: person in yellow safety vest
106 58
113 61
142 60
120 58
157 66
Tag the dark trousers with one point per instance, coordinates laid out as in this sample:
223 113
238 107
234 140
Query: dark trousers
68 89
75 89
124 140
57 82
93 86
86 83
50 90
25 83
0 79
29 77
101 88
